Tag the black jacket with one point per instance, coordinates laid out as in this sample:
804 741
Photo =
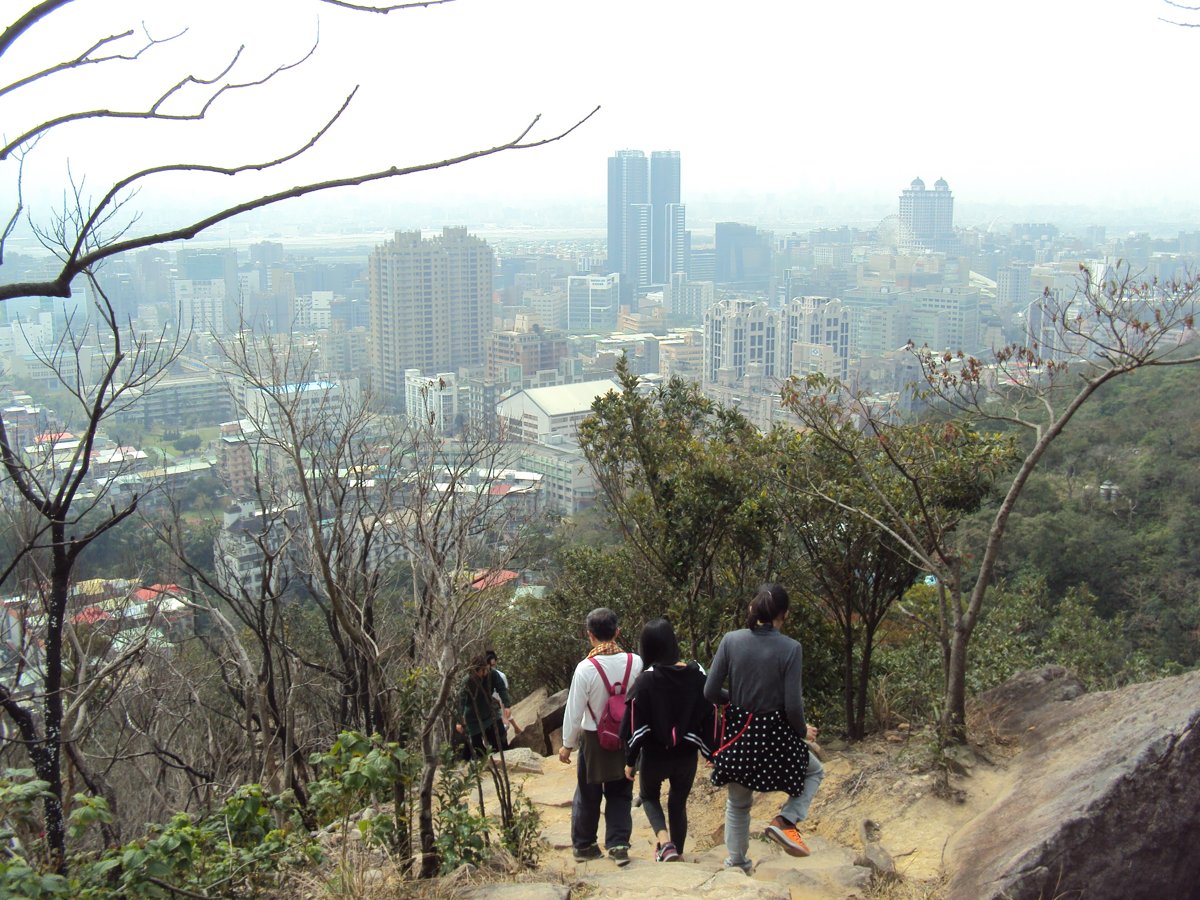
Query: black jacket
666 713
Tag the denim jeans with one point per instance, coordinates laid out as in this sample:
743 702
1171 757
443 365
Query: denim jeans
585 809
678 770
740 799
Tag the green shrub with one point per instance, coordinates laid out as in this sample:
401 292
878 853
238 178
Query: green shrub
1023 627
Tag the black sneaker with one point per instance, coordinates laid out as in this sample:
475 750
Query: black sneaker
587 854
619 854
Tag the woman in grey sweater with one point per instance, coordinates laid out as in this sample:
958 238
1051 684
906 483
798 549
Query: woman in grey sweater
762 745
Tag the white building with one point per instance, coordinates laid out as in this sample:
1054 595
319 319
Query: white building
593 302
532 414
201 305
431 401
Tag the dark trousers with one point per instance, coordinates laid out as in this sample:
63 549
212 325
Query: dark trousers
493 736
585 809
679 771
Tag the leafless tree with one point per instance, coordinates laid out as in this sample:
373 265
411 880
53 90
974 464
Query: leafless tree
98 230
63 518
62 511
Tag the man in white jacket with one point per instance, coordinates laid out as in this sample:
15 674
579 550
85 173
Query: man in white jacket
600 773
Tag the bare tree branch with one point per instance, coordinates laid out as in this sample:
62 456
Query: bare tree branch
32 17
61 286
154 111
371 8
86 58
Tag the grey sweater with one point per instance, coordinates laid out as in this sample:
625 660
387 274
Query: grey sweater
763 668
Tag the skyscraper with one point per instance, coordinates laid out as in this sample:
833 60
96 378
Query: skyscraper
430 304
927 217
629 220
665 208
647 239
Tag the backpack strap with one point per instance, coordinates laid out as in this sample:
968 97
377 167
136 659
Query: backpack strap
628 669
603 677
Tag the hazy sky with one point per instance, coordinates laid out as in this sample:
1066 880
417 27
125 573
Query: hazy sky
1023 102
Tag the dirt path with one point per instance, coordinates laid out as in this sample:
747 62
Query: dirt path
878 781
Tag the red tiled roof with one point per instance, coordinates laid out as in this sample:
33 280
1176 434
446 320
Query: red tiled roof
495 578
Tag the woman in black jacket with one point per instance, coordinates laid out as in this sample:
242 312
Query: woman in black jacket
667 720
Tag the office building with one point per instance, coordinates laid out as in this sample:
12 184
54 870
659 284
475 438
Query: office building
629 217
430 305
675 243
593 302
647 222
743 255
666 216
530 347
927 217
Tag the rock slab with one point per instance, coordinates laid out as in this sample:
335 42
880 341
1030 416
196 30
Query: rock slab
1106 803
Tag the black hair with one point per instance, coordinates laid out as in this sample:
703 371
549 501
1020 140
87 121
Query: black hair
659 646
768 604
602 623
490 655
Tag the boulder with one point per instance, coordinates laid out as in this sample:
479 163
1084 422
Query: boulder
1103 804
522 759
1027 693
537 716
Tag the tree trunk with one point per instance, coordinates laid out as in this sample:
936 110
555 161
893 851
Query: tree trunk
953 726
864 678
848 680
50 755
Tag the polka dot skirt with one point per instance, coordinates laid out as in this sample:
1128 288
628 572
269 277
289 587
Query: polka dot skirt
760 751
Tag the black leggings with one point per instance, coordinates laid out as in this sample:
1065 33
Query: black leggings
679 770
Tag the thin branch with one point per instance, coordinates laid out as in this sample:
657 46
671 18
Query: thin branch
61 286
154 112
86 58
370 8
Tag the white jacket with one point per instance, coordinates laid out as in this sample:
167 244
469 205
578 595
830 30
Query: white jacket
588 690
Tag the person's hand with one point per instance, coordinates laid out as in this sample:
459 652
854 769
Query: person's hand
564 754
812 732
459 728
629 772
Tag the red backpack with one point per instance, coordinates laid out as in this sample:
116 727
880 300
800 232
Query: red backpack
608 723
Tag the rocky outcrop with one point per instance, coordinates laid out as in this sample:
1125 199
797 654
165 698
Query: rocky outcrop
1104 802
537 717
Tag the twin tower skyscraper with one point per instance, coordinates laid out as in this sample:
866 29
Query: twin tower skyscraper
647 224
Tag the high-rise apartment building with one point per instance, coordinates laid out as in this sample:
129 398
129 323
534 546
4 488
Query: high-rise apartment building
741 337
430 305
647 237
750 339
201 305
927 217
821 337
